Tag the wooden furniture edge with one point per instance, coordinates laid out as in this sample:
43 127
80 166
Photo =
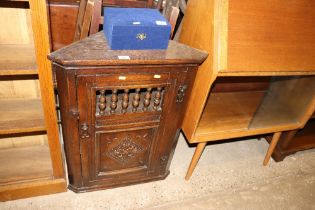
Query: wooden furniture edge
32 188
41 41
225 73
208 138
205 76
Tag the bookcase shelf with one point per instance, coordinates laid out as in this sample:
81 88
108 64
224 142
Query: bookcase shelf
246 113
17 59
25 164
30 151
21 116
227 113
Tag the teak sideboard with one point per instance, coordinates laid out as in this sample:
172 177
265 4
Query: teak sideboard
246 39
121 111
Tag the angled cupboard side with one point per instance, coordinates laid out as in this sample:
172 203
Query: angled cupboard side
30 152
246 39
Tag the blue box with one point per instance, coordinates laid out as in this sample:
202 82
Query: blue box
136 29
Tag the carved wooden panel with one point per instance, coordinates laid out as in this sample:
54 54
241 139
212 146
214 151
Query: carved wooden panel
118 151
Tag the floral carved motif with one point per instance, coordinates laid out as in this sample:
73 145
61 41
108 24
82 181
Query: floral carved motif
125 151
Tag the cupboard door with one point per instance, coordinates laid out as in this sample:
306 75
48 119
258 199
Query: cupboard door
119 122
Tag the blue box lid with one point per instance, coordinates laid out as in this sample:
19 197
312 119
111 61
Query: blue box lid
135 16
126 22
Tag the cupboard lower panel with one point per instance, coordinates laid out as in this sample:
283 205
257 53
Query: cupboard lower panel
122 152
107 184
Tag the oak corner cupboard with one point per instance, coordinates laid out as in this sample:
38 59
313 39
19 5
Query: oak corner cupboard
272 38
121 110
31 161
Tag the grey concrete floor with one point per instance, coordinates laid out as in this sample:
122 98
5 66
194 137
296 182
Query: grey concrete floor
228 176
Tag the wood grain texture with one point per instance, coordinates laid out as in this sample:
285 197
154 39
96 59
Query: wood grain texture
119 3
94 51
24 164
33 188
223 29
288 100
249 38
196 25
239 84
19 86
198 152
228 113
41 41
276 38
237 114
62 24
84 27
121 120
17 60
275 138
97 17
19 0
294 141
21 33
19 116
22 140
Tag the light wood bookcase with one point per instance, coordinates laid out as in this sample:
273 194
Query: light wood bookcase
30 152
250 38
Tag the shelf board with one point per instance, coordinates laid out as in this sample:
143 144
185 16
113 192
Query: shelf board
21 115
17 59
24 164
230 111
230 115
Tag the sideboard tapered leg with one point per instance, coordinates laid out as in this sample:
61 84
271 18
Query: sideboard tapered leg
273 143
195 159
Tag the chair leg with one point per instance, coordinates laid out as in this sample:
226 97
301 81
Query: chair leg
195 159
273 143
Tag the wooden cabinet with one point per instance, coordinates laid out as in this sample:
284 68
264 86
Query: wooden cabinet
30 152
250 38
121 118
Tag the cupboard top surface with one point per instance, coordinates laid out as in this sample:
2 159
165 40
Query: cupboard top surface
94 51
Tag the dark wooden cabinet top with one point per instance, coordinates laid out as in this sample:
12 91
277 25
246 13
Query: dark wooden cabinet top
94 51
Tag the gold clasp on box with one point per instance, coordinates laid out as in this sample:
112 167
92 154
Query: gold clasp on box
141 36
